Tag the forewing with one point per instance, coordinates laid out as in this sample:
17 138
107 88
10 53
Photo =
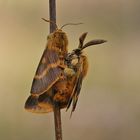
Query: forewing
76 90
47 72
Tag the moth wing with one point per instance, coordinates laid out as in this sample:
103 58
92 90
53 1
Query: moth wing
76 90
48 72
32 105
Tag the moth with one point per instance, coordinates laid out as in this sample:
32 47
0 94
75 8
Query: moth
48 73
50 79
58 78
78 62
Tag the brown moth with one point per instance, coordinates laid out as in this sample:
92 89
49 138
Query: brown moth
77 61
59 76
49 71
49 86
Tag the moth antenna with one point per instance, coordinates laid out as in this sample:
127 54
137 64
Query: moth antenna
50 22
70 24
81 39
93 42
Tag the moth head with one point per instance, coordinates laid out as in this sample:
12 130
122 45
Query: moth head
60 40
58 34
73 57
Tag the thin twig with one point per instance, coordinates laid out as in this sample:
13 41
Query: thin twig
52 11
57 120
57 113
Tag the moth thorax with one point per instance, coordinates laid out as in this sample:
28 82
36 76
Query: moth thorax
61 41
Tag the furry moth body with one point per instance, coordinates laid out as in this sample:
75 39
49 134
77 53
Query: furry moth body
59 75
77 61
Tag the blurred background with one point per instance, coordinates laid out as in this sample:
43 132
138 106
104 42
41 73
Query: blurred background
109 103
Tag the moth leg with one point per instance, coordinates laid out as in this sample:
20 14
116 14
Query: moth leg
69 72
62 66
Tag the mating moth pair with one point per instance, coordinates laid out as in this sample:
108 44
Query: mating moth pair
58 78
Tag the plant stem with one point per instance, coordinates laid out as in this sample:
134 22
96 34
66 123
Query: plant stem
57 112
57 120
52 11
